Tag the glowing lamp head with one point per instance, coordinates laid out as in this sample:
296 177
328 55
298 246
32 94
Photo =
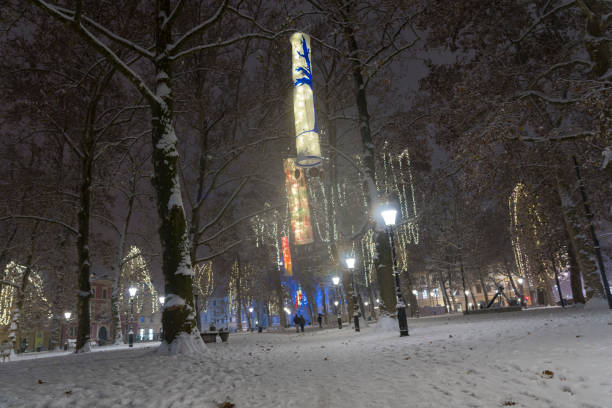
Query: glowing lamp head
366 303
67 315
467 292
335 303
350 262
250 310
389 216
414 292
132 291
336 280
162 299
520 281
377 300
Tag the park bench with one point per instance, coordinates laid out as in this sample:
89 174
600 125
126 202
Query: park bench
211 336
5 350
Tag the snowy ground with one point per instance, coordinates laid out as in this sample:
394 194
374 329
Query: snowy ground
475 361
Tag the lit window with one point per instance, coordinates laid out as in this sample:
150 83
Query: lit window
141 332
425 294
150 334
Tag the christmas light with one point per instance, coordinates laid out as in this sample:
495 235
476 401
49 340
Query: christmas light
297 197
306 131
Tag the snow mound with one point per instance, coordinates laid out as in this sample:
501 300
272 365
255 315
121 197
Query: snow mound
596 303
185 344
86 348
387 324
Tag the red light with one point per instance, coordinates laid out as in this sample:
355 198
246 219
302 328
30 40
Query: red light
526 297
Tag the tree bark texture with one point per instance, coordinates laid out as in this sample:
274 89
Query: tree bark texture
577 237
178 313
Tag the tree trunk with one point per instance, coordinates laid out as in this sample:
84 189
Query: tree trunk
383 261
178 313
583 250
594 239
84 292
445 298
483 286
116 309
575 275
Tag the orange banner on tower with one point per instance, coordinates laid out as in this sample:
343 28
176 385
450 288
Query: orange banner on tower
286 256
297 195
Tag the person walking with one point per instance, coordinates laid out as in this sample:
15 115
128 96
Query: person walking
296 321
320 320
302 323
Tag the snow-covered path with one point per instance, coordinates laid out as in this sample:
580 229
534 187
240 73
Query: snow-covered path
476 361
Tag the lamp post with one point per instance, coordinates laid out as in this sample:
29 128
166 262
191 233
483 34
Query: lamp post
336 281
197 309
251 312
132 290
389 218
162 300
67 316
350 263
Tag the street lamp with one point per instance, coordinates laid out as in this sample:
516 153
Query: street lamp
162 300
251 312
389 215
67 316
132 290
520 281
336 281
350 263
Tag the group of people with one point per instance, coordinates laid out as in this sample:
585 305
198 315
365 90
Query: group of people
300 322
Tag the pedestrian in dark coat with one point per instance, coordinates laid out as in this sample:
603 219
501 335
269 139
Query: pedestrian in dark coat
320 320
296 321
302 323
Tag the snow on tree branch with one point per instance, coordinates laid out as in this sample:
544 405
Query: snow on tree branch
102 48
197 29
225 206
49 220
546 98
111 35
224 250
239 220
236 39
542 18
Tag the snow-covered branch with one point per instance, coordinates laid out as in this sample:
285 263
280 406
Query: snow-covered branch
224 250
173 14
238 221
109 34
49 220
561 65
107 222
100 47
389 58
543 17
225 207
230 41
546 98
197 29
563 138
